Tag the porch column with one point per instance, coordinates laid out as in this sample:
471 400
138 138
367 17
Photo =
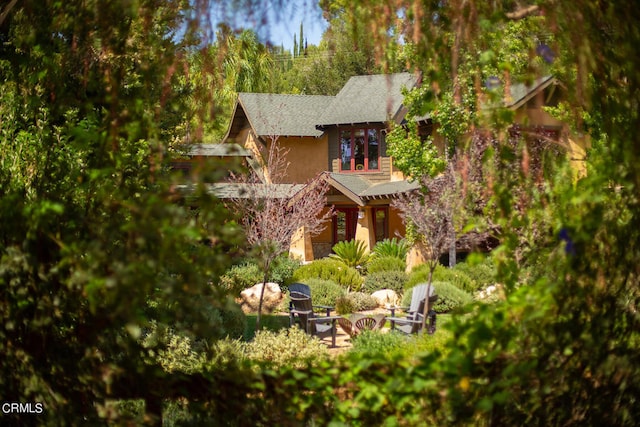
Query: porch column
364 230
301 247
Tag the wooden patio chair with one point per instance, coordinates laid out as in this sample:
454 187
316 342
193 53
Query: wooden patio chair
320 326
412 323
300 290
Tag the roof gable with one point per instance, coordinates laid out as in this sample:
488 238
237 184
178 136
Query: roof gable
368 99
282 115
521 93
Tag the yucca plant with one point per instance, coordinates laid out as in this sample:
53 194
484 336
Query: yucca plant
392 247
352 253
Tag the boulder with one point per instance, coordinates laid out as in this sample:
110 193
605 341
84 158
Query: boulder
250 298
386 298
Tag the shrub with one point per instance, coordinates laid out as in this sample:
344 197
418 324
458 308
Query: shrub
324 292
241 277
450 297
329 269
247 274
352 253
287 347
457 278
484 273
345 305
391 248
394 280
283 269
362 301
385 263
372 344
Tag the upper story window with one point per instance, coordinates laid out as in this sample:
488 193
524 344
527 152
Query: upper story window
360 149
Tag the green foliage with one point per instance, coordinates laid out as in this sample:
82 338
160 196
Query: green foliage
288 347
345 304
456 277
329 269
411 155
243 276
483 274
391 248
362 301
324 292
352 253
385 263
394 280
94 246
375 344
450 297
240 277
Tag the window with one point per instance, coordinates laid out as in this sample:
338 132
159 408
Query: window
359 149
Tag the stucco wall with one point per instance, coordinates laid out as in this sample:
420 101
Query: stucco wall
307 157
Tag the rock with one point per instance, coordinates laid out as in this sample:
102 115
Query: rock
250 298
386 298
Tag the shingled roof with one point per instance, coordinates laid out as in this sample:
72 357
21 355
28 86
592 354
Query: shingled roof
359 189
368 99
282 115
521 92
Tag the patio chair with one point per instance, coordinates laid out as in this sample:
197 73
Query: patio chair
320 326
412 323
302 290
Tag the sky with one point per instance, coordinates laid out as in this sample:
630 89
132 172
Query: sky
278 20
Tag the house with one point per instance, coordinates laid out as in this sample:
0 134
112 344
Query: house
343 138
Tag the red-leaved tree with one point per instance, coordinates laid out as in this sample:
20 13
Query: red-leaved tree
272 212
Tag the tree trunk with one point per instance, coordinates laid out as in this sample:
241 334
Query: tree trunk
452 250
265 279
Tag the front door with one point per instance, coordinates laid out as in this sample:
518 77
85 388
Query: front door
345 221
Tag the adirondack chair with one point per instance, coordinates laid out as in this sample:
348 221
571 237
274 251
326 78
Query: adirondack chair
301 291
320 326
412 323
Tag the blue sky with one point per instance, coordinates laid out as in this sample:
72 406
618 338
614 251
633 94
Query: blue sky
276 23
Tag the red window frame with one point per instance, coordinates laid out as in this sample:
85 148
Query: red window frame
367 164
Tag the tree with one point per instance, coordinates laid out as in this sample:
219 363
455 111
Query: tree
429 215
272 213
94 244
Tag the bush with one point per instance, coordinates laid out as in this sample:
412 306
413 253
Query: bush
352 253
363 301
457 278
392 248
329 269
484 273
450 297
287 347
374 344
324 292
240 277
394 280
345 305
283 269
385 263
247 274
